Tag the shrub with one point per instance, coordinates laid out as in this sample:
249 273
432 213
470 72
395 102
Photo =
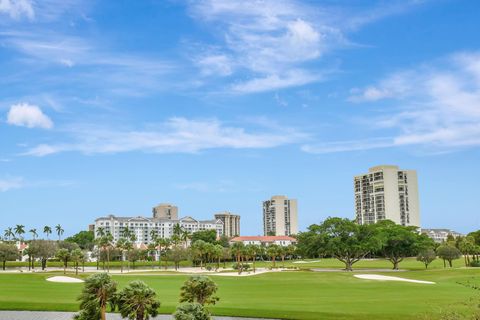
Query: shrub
208 268
475 264
189 311
245 266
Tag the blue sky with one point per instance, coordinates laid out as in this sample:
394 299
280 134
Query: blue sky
115 106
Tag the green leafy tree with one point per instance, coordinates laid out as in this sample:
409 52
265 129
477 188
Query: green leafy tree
137 301
64 256
252 251
426 256
199 289
8 252
399 242
448 253
209 236
98 292
177 254
84 239
191 311
43 249
223 241
342 239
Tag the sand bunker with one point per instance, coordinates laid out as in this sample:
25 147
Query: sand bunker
64 279
307 261
388 278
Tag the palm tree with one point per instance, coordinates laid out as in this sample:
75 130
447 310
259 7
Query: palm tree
237 250
184 236
121 245
9 233
98 292
105 242
137 301
59 230
20 231
76 256
34 233
217 254
63 255
252 251
272 252
47 230
199 249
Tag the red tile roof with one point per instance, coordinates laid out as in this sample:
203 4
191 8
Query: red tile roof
264 238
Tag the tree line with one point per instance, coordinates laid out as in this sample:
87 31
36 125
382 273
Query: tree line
349 242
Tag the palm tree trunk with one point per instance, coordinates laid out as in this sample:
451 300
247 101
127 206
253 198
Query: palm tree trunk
102 313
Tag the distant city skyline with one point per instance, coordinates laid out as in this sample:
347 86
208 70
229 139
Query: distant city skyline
213 105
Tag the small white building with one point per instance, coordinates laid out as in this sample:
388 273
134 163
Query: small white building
440 235
265 240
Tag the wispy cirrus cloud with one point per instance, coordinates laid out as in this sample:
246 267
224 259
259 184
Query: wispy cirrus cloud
176 135
436 105
7 184
275 44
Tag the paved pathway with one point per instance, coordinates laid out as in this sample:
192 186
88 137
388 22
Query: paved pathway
40 315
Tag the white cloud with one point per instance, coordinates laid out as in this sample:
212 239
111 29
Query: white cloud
436 105
10 183
28 115
177 135
274 81
270 40
16 9
94 65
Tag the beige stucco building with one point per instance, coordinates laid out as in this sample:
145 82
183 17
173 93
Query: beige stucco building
165 211
280 217
387 192
231 223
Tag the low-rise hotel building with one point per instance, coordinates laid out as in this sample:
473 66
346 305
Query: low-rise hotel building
161 227
265 240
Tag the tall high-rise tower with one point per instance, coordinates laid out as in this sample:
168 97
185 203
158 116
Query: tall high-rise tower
387 192
165 211
280 216
231 223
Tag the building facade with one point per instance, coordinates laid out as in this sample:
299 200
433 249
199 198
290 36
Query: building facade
265 240
440 235
165 211
231 223
143 227
280 217
387 192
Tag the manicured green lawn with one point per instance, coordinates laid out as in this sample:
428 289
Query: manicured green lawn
288 295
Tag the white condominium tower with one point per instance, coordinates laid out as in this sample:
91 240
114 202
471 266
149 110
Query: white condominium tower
386 192
280 216
231 223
